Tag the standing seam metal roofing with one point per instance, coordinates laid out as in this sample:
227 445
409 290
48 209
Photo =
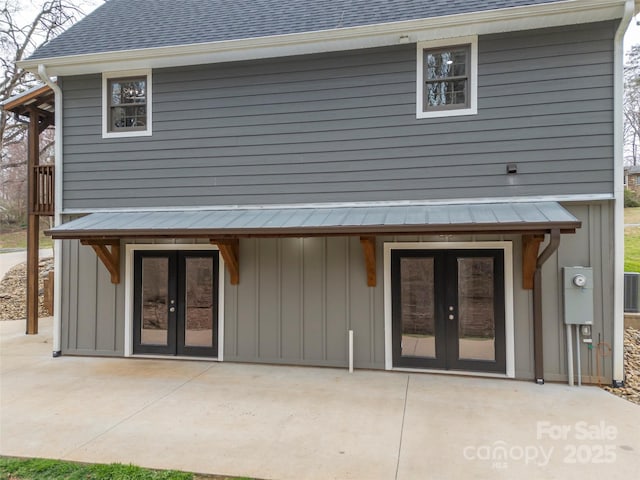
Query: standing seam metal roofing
329 220
120 25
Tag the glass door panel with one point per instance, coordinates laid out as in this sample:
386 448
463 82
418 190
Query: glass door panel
476 316
154 327
417 307
198 324
417 327
154 302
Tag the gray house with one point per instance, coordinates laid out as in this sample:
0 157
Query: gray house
388 184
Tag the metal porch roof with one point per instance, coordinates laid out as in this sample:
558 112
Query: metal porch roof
525 217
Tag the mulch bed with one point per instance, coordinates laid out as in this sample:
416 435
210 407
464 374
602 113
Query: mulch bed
13 291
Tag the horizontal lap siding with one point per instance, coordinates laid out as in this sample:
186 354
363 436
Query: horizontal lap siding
342 127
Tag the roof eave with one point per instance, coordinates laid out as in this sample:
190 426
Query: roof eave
40 97
492 21
444 229
25 96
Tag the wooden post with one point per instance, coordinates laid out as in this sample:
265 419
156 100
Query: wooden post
33 227
48 293
33 233
538 334
36 105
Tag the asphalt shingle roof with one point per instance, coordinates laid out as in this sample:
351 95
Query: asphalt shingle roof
135 24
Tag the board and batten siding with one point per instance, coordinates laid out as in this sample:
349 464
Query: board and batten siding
341 126
92 310
297 299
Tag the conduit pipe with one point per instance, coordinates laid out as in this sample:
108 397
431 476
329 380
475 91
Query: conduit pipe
554 243
57 244
578 361
618 195
568 334
350 351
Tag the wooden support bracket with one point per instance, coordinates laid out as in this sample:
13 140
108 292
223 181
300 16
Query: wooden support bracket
110 258
45 119
530 247
230 251
369 249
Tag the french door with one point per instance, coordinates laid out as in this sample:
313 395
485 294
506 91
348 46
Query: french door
175 302
448 309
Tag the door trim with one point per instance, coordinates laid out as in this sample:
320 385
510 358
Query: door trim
130 248
507 248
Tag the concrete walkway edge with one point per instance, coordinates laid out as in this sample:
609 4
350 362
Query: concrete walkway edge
11 259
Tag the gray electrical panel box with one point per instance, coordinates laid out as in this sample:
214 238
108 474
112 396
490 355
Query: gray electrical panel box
577 283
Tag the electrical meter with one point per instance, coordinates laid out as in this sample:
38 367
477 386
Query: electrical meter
578 295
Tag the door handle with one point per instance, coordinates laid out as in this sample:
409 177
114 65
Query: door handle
172 309
451 315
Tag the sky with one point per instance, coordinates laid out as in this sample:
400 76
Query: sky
27 9
632 37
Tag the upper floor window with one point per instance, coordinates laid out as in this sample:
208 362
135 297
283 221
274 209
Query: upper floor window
447 73
126 104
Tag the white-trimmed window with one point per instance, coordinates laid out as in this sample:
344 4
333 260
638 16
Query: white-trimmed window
126 103
447 74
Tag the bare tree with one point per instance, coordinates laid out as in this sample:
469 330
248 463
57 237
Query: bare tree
24 26
18 40
631 106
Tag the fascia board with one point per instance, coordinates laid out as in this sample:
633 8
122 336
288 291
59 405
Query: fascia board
480 23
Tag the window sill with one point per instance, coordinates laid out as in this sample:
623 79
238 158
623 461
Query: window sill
137 133
447 113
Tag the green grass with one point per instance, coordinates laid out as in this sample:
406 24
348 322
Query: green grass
632 215
632 240
632 249
18 239
28 469
36 469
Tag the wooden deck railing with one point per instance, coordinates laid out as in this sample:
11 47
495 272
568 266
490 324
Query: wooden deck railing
43 193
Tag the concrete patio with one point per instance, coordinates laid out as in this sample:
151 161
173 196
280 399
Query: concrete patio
279 422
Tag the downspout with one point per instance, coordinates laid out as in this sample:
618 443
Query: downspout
57 244
554 243
618 194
